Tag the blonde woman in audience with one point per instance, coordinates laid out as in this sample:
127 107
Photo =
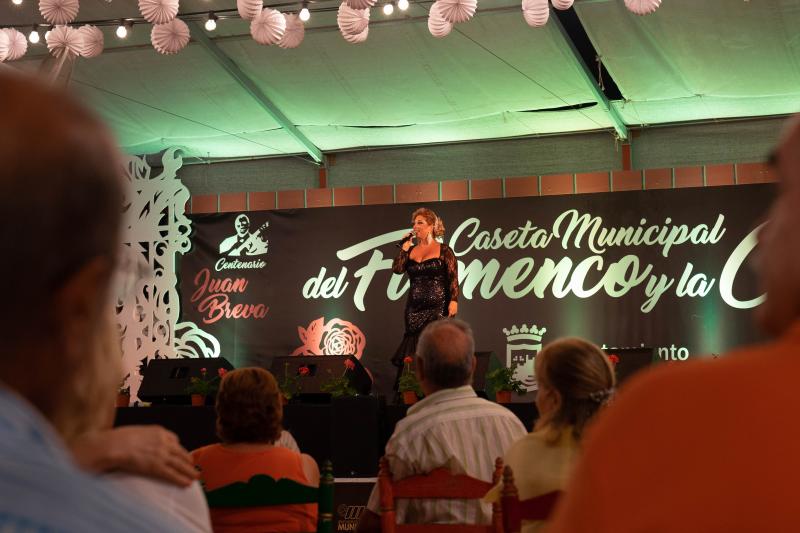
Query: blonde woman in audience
575 379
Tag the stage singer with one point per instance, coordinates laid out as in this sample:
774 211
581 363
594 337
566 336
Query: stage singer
433 272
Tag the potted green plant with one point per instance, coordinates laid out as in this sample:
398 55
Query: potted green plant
408 385
201 387
124 392
339 386
503 382
289 385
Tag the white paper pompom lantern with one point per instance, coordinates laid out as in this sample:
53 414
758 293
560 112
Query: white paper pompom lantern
295 32
360 4
352 21
170 38
58 11
18 44
536 12
358 38
13 45
268 27
437 25
64 40
5 42
642 7
562 4
92 41
249 9
158 11
457 11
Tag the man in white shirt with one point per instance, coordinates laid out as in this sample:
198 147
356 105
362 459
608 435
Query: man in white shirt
451 427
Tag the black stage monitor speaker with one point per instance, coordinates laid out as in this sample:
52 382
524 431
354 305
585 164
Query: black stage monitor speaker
631 360
164 381
481 367
321 368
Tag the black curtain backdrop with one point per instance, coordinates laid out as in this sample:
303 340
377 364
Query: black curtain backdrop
314 281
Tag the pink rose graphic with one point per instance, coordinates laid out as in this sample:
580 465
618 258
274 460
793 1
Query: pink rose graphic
337 337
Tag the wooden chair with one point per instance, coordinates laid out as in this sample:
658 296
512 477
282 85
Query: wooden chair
269 492
438 484
515 511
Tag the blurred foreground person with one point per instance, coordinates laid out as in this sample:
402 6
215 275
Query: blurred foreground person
710 445
60 210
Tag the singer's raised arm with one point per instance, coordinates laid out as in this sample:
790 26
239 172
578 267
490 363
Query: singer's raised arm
399 263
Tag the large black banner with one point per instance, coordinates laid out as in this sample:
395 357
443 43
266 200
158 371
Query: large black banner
668 269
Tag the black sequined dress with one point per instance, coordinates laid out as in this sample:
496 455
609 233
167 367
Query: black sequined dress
434 284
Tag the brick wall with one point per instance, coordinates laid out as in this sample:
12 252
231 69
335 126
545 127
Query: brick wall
507 187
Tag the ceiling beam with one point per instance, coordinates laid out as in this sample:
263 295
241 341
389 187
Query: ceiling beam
247 83
612 114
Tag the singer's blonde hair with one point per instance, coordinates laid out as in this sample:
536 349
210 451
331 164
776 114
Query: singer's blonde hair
431 218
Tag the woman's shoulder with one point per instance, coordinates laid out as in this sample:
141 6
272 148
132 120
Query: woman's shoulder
542 439
282 451
537 450
206 451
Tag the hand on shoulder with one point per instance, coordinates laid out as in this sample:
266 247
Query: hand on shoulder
149 451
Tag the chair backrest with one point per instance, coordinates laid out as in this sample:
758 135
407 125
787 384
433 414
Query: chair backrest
269 492
515 511
437 484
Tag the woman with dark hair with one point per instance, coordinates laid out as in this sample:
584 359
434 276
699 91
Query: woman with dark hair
433 273
575 380
249 415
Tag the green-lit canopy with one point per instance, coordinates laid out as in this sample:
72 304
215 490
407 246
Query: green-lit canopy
493 77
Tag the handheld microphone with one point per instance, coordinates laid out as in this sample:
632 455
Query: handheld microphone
408 237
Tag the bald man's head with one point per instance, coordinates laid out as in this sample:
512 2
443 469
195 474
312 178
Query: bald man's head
447 352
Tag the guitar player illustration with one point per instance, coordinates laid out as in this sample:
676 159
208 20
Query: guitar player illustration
244 242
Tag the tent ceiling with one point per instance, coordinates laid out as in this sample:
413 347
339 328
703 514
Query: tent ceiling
493 77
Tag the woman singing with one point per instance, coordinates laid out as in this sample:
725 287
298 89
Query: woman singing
433 272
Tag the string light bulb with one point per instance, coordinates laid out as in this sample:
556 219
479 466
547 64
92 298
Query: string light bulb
33 36
16 2
122 29
47 33
402 4
211 23
388 8
305 14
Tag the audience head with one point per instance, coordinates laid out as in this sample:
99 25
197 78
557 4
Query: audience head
445 355
575 380
249 407
61 185
780 241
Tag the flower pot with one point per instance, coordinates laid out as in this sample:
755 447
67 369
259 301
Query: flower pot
502 396
123 400
198 400
409 397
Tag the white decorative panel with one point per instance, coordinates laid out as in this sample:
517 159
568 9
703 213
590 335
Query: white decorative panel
155 229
